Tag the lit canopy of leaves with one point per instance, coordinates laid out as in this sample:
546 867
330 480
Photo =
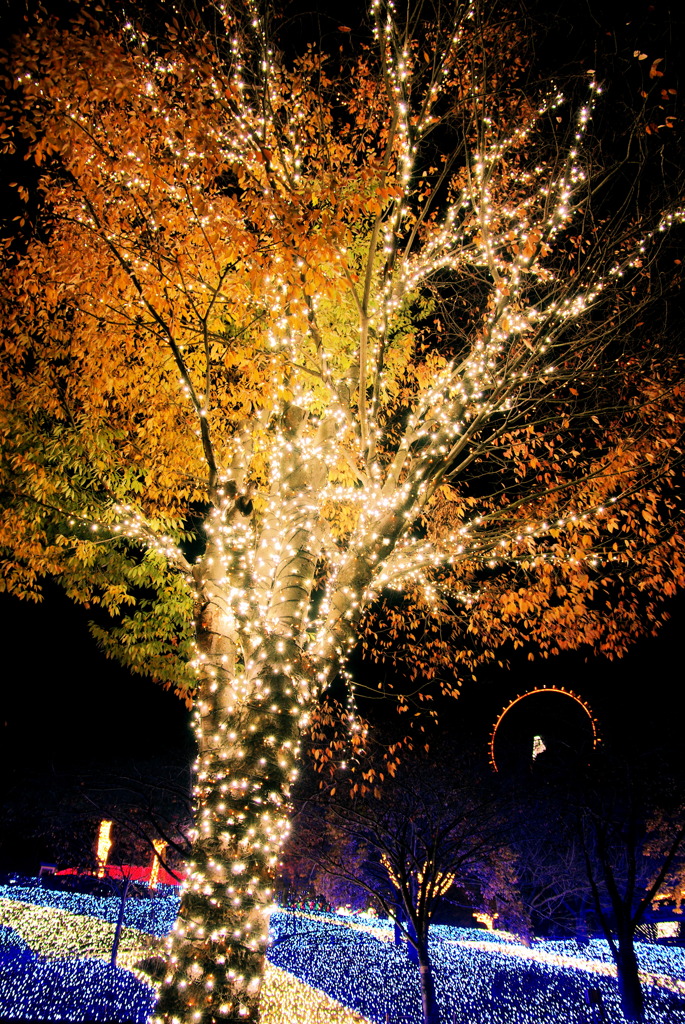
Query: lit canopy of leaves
374 282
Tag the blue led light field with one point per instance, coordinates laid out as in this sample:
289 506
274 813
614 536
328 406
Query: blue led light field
155 916
78 990
481 978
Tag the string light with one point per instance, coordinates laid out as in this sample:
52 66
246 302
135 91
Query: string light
155 916
47 970
104 844
55 932
563 691
159 848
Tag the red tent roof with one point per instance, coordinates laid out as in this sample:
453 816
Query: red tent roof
134 872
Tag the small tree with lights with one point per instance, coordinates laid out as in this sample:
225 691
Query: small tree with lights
302 351
434 833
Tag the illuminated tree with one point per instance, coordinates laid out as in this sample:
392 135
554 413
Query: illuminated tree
298 352
436 831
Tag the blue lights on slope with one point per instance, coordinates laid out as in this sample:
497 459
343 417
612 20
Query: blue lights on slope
78 990
481 978
155 915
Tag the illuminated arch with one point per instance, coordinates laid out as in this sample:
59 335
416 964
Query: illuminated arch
543 689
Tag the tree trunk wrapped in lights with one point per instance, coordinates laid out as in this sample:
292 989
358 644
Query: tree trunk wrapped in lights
296 351
251 705
243 775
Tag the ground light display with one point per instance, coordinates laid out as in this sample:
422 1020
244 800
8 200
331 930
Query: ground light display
323 968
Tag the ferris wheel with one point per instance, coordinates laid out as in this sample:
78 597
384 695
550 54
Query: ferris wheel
538 742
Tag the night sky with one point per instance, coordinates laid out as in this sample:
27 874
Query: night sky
62 699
